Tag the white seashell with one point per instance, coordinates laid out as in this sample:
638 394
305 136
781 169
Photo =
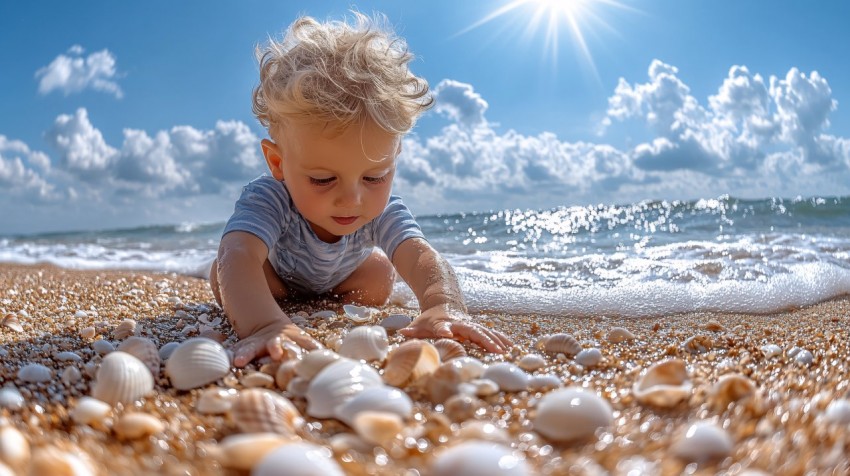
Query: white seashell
35 373
838 411
135 425
88 332
11 398
771 350
90 411
215 400
619 334
539 383
378 428
484 387
125 329
102 346
313 362
166 350
11 321
205 319
469 367
410 361
367 343
665 384
80 315
793 351
697 344
197 362
67 357
483 430
299 459
702 442
532 362
730 388
122 378
14 446
242 451
257 379
298 387
258 410
336 384
449 349
462 407
299 321
358 314
804 357
589 357
560 344
394 322
443 383
285 373
507 376
71 375
49 460
144 350
479 458
571 414
323 315
383 399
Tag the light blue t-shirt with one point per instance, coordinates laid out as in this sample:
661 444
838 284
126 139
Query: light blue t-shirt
299 257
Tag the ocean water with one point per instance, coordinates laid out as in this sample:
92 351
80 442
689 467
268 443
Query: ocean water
646 258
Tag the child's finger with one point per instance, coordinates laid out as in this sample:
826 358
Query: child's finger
477 335
244 353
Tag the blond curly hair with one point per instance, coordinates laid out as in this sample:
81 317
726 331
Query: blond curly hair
339 73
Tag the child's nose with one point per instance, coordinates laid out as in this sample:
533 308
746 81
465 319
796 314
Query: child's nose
349 196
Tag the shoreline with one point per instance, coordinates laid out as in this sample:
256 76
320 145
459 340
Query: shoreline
782 428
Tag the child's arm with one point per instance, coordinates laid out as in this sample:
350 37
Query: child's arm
259 322
443 312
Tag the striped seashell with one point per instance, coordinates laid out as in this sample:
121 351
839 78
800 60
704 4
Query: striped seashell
367 343
258 410
143 349
665 384
242 451
135 425
125 329
619 334
11 321
449 349
35 373
336 384
122 378
197 362
559 344
313 362
410 361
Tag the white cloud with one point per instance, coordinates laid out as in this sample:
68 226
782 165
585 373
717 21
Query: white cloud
460 102
73 73
17 178
82 150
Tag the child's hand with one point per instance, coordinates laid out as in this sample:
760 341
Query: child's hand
441 321
270 340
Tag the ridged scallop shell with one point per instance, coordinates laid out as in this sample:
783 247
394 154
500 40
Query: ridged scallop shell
35 373
299 459
507 376
258 410
379 428
619 334
367 343
571 414
665 384
449 349
703 442
215 400
730 388
122 378
394 322
197 362
166 350
443 383
243 451
11 398
52 461
336 384
314 361
125 328
559 344
375 399
89 411
143 349
410 361
469 367
479 458
589 357
14 446
531 362
358 314
134 425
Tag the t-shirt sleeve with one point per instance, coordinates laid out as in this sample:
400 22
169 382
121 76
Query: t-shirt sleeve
395 225
262 210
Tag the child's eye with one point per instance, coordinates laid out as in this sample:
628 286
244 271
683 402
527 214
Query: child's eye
322 181
380 179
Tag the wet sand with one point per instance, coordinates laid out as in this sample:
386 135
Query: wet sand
782 428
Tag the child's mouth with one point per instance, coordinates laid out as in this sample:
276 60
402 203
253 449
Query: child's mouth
344 220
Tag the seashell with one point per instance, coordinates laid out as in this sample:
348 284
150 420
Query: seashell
479 458
166 350
299 459
619 334
410 361
804 357
731 388
367 343
71 375
299 321
541 383
102 346
144 350
771 350
838 411
713 326
394 322
90 411
205 319
323 315
14 446
298 387
67 357
384 399
88 332
11 321
469 367
449 349
697 344
314 361
80 315
285 372
462 407
336 384
11 398
703 442
358 314
135 425
507 376
532 362
572 414
484 387
52 461
125 329
665 384
443 383
378 428
122 378
91 368
197 362
560 344
589 357
483 430
215 400
257 379
35 373
333 341
242 451
258 410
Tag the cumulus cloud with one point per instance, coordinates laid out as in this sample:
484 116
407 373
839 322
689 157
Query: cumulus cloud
460 103
17 176
82 149
73 73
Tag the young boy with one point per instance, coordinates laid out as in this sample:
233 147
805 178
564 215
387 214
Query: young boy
336 99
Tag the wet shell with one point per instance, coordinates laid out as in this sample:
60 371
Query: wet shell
367 343
299 459
52 461
197 362
571 414
258 410
35 373
135 425
11 398
479 458
102 346
122 378
394 322
532 362
702 442
449 349
410 361
619 334
730 388
560 344
125 329
378 428
507 376
144 350
539 383
215 400
665 384
14 446
469 368
589 357
336 384
242 451
383 399
166 350
257 379
358 314
314 361
90 411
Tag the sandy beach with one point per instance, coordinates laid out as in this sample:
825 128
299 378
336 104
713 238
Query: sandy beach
791 420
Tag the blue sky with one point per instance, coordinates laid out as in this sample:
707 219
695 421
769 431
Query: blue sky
130 113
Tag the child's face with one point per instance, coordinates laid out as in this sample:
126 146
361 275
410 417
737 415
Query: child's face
338 181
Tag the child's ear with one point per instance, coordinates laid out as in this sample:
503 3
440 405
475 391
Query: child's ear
274 158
